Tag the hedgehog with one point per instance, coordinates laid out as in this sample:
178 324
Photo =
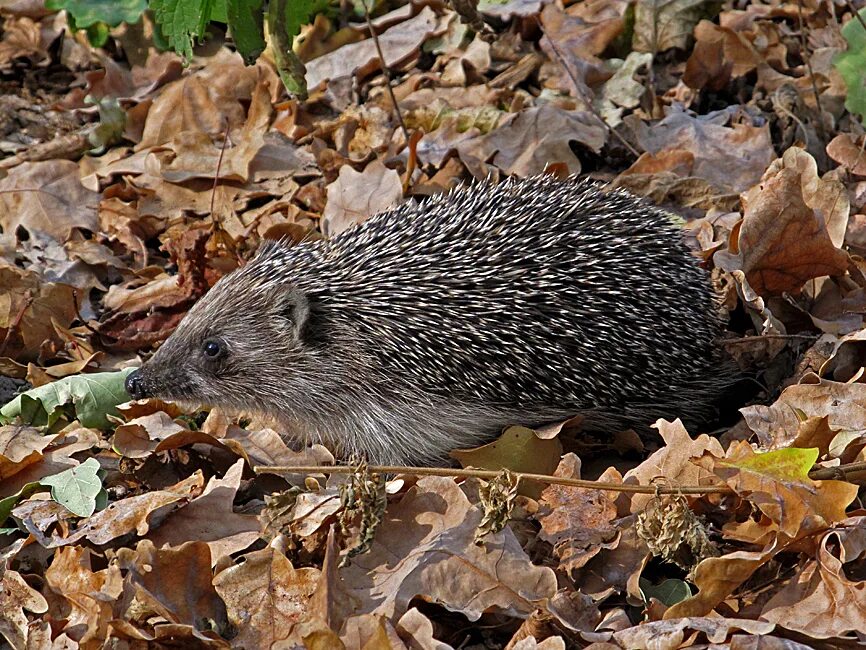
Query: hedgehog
435 324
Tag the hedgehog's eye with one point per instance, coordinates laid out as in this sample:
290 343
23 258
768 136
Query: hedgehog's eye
212 349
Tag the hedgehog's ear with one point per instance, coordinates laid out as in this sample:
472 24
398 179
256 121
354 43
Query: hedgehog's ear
294 308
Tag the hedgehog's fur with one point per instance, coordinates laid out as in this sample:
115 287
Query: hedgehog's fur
433 325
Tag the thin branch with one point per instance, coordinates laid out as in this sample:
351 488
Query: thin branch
491 474
579 91
843 473
385 70
808 61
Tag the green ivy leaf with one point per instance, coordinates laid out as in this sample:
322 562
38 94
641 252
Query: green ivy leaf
90 12
93 397
77 488
669 592
852 66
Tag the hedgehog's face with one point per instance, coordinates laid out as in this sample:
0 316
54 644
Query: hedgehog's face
235 348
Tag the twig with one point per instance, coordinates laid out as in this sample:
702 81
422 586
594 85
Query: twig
824 473
216 177
491 474
807 60
385 70
771 337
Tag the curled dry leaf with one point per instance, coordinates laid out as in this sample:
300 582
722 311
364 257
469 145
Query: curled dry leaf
15 597
174 583
210 518
793 226
360 59
824 601
89 594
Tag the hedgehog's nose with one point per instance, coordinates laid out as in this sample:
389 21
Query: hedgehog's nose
135 386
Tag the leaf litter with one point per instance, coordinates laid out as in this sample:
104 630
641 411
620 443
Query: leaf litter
144 524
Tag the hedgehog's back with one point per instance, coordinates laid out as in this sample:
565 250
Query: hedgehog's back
534 296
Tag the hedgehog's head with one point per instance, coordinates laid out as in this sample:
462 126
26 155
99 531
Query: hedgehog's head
236 348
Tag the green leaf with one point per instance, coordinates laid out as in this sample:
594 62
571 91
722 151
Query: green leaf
93 396
180 21
247 24
10 502
90 12
669 592
76 489
851 65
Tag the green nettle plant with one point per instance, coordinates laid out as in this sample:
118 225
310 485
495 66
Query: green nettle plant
182 22
852 64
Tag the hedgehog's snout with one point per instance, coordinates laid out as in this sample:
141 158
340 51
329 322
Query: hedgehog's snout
135 385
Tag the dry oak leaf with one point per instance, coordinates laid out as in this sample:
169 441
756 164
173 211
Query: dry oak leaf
823 601
425 548
47 197
88 595
793 225
355 196
198 156
778 483
265 596
202 102
674 462
718 577
680 632
20 446
16 596
528 141
848 153
30 308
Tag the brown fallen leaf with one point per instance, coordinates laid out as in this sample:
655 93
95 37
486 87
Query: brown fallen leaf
527 142
15 597
174 583
210 518
89 595
731 157
48 197
360 59
579 523
778 483
355 196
